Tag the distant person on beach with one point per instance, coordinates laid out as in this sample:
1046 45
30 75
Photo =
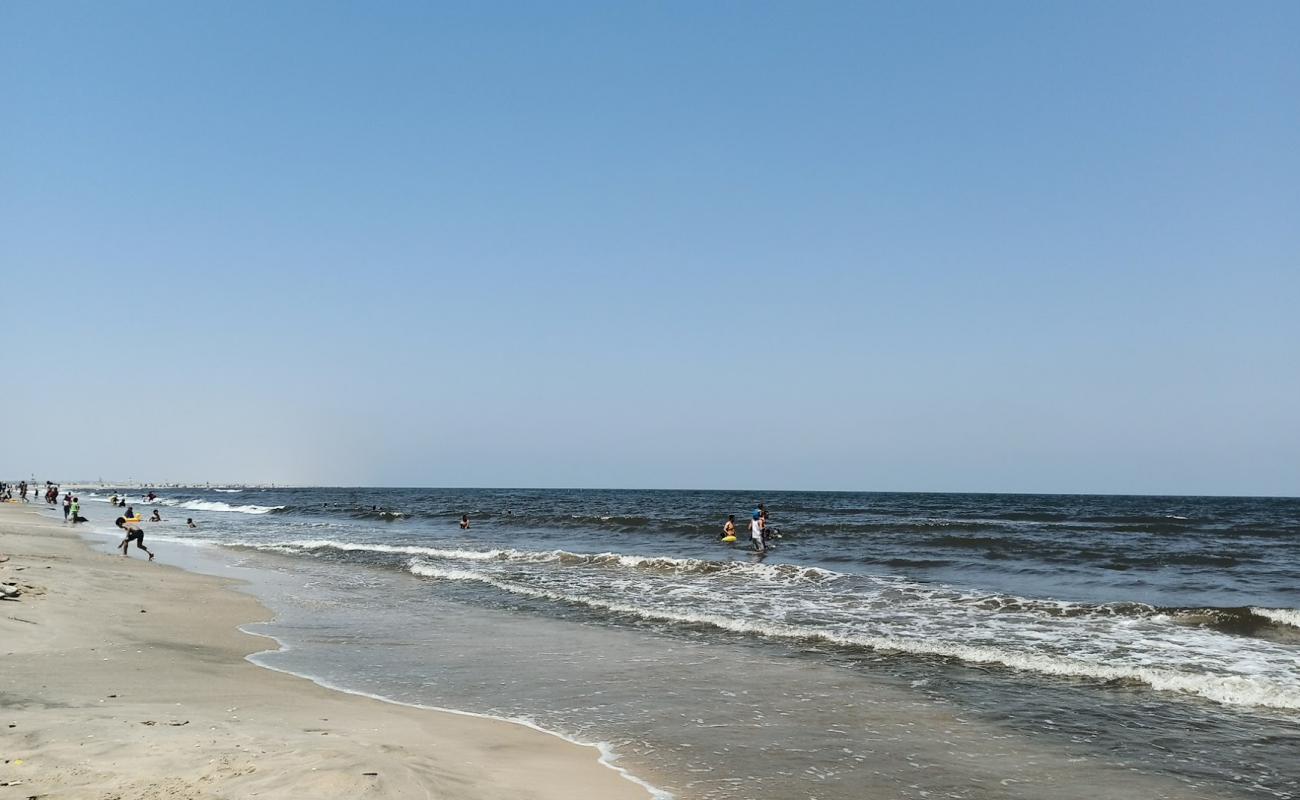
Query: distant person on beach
74 510
729 530
190 522
132 534
464 522
67 505
756 532
112 501
156 516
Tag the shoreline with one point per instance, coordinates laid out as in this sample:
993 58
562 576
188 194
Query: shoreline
170 711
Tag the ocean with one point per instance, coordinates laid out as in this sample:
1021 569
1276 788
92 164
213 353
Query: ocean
889 645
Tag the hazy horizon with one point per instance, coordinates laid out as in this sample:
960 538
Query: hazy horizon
852 247
769 489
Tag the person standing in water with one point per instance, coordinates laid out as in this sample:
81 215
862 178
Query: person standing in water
729 530
756 532
464 522
762 522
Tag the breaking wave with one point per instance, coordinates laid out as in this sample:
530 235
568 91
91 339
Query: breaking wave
215 505
1224 689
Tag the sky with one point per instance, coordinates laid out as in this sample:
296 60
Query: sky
923 246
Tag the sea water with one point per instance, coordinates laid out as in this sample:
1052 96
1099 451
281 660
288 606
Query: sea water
899 645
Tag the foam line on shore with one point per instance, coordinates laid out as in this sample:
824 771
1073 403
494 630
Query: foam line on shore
607 754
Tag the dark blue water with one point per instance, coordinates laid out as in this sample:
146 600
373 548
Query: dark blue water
915 644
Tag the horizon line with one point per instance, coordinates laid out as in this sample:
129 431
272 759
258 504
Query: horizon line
273 485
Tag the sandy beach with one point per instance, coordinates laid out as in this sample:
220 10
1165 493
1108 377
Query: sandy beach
121 678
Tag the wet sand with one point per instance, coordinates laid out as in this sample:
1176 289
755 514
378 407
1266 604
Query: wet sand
121 678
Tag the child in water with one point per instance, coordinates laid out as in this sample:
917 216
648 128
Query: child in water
729 530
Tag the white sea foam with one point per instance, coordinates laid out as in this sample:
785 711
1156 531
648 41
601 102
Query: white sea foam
1227 689
217 505
300 545
1286 616
776 572
228 491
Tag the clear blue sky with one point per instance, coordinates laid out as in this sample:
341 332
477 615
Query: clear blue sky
917 246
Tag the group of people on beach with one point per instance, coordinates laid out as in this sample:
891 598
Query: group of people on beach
7 490
760 535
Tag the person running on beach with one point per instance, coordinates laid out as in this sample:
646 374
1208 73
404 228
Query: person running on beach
464 522
729 530
156 516
756 532
132 534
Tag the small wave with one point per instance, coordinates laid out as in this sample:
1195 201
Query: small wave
981 542
783 572
345 510
1137 519
1283 616
308 545
217 505
228 491
1239 621
1223 689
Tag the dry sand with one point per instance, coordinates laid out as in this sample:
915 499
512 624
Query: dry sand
121 678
